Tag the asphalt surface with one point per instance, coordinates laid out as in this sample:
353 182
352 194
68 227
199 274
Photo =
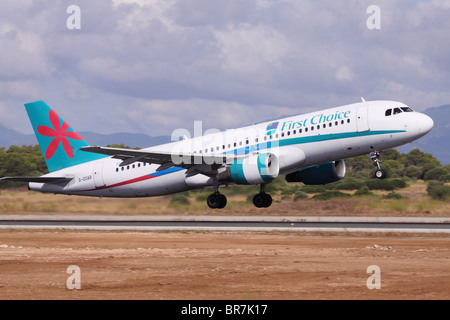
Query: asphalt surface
262 223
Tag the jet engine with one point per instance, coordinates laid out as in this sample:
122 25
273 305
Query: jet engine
255 169
320 174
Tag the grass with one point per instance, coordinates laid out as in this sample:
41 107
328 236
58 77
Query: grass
415 203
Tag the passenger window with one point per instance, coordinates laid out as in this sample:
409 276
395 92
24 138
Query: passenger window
306 129
388 112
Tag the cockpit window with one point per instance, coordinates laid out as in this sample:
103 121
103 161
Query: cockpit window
397 110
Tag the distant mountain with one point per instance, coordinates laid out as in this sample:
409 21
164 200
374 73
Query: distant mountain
437 141
10 137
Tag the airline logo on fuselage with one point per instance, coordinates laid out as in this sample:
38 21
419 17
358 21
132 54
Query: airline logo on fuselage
315 120
271 128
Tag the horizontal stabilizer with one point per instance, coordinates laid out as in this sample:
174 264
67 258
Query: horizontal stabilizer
37 179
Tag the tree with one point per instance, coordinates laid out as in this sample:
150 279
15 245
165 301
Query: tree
420 159
437 190
21 161
413 172
438 173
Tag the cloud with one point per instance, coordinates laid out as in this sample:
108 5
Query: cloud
161 114
229 62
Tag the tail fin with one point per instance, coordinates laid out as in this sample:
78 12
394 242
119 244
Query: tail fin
59 143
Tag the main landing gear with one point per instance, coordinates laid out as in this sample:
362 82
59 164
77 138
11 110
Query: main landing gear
380 173
217 200
262 199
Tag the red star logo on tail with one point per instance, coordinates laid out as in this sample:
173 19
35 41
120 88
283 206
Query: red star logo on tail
60 134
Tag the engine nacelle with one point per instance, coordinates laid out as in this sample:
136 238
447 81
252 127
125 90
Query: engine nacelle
256 169
321 174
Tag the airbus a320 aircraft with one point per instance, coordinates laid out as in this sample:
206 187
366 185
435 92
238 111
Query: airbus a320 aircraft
307 148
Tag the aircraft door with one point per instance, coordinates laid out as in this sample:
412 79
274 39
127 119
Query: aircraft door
362 118
98 174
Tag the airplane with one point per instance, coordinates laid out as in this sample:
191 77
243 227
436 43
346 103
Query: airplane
308 148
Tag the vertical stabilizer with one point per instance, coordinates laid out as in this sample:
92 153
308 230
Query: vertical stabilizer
59 143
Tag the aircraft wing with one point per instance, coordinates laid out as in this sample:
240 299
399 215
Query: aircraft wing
165 159
38 179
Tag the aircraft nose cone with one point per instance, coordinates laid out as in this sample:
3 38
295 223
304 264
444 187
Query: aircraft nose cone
425 123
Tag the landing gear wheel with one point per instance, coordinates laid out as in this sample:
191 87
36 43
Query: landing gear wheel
262 200
380 174
222 200
216 201
375 156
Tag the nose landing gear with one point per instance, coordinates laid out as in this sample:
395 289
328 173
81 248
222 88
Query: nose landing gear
380 173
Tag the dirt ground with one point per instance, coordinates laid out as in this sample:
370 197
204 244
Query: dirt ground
233 265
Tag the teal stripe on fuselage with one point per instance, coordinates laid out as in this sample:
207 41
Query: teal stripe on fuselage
309 139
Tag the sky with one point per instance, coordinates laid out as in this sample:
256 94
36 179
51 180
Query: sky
153 66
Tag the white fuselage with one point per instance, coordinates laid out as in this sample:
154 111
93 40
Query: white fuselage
298 141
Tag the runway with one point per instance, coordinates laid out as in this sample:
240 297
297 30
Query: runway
227 223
